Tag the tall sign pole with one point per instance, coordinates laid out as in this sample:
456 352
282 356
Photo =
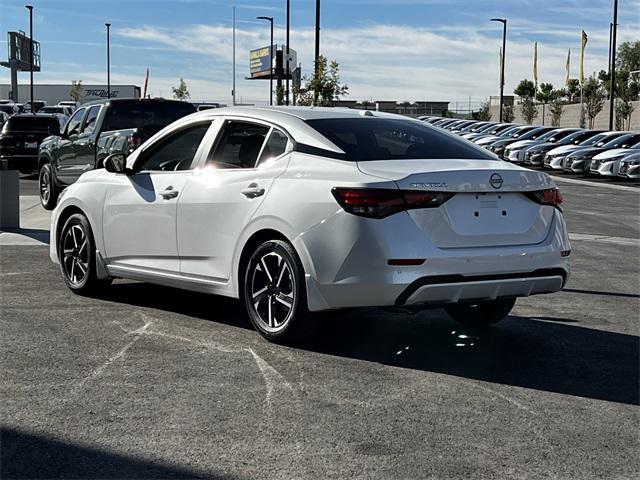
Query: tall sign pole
317 53
233 91
108 25
288 68
504 55
270 20
30 8
612 65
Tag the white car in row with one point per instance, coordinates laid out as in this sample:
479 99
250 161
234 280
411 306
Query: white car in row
302 210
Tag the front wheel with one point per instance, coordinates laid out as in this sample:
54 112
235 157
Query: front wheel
274 292
481 314
47 186
76 252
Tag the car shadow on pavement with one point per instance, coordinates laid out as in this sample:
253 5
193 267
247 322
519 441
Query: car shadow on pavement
520 351
26 455
34 233
543 353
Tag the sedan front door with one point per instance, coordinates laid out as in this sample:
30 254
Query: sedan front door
139 223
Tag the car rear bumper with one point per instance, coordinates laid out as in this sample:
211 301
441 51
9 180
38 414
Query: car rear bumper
355 272
458 288
24 163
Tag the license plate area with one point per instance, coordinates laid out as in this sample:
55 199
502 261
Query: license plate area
30 144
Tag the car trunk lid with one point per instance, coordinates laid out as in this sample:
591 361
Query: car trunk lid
490 208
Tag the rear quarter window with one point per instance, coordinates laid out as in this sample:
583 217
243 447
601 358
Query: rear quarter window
368 139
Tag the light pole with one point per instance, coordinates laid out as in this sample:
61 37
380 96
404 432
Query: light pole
108 25
504 56
317 53
612 64
270 20
30 8
288 69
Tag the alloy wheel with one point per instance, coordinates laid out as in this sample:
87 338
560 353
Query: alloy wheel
273 291
45 185
75 254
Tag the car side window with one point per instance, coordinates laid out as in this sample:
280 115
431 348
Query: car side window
73 125
276 145
174 153
90 121
239 145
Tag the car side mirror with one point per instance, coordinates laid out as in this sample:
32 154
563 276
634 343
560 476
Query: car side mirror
116 163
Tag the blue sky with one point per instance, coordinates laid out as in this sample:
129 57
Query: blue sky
388 49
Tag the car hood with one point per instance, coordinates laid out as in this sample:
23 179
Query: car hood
520 144
564 149
585 152
541 147
614 153
487 140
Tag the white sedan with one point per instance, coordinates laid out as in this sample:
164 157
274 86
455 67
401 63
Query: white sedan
301 210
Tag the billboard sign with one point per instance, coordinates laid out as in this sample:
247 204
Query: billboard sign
19 51
260 59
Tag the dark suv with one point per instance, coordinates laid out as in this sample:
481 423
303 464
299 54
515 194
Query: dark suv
21 137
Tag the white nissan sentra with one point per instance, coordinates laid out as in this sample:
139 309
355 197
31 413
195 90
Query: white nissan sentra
300 210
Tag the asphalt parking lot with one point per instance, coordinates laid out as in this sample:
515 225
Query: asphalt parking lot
151 382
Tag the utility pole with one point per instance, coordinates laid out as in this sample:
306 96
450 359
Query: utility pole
233 91
288 68
317 54
504 56
270 20
612 64
108 25
30 8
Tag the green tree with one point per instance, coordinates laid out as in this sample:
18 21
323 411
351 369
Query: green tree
594 96
544 95
76 93
181 92
628 56
507 114
627 90
526 90
323 88
556 106
573 89
484 113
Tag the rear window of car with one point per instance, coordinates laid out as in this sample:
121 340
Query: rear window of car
32 124
367 139
138 114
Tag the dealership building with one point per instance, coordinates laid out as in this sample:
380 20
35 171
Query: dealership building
54 93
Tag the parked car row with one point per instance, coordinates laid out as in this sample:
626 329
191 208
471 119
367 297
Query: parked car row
593 153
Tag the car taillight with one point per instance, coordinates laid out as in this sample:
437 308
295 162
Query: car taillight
551 196
380 203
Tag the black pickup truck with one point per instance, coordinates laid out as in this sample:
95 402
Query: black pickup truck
96 130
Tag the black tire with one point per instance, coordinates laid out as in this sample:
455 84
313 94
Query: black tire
273 278
77 256
47 187
481 314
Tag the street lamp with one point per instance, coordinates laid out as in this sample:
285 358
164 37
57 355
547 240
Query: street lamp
108 25
270 20
30 8
317 53
288 69
504 53
612 64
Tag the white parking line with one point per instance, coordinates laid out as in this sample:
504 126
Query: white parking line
587 183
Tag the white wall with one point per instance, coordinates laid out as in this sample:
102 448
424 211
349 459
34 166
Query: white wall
52 93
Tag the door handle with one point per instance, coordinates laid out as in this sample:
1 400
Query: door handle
253 191
169 193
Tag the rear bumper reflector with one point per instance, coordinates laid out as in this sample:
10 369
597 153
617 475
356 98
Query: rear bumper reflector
565 253
405 262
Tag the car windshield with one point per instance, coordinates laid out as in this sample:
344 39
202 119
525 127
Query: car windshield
548 135
32 123
52 110
365 139
624 140
593 140
7 108
137 114
532 133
